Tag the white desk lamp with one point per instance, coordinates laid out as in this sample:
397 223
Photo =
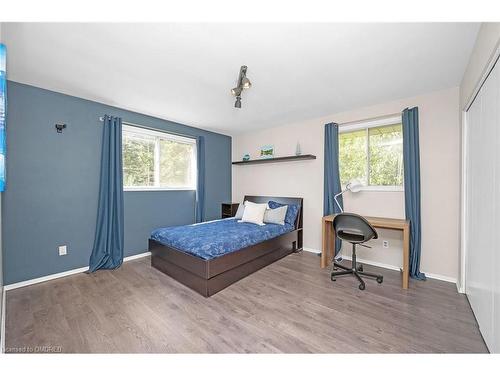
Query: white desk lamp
353 186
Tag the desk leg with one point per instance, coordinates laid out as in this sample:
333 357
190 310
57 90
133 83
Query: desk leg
331 244
324 226
406 257
328 246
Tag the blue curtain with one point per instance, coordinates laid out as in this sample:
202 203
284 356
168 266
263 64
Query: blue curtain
332 174
200 181
411 162
107 252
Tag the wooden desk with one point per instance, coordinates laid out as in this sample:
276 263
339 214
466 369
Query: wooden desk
327 251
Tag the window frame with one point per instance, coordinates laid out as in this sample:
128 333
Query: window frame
159 134
366 125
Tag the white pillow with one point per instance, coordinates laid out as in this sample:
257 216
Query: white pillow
275 216
239 212
254 213
241 209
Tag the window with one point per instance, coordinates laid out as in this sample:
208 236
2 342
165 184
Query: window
153 160
373 154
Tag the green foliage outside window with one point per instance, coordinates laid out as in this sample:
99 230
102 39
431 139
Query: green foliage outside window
175 163
174 167
380 163
352 156
386 155
138 161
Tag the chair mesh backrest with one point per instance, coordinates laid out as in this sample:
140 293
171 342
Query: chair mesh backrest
353 228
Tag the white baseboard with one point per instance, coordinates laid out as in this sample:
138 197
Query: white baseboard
309 250
65 273
460 288
2 336
396 268
137 256
391 267
441 277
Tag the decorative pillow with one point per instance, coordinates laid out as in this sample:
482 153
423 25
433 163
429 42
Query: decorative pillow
265 204
291 212
275 216
254 213
239 212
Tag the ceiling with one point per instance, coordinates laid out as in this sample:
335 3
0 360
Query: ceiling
184 72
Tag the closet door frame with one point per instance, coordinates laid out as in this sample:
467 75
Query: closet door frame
461 285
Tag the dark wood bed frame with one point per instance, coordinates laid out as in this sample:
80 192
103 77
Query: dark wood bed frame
208 277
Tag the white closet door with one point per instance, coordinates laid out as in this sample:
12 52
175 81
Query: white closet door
483 199
495 77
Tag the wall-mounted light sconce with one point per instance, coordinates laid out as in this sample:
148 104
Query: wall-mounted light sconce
243 84
60 127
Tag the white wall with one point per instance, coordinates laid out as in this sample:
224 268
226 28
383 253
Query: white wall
440 167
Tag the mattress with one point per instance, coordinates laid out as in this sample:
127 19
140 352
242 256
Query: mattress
213 239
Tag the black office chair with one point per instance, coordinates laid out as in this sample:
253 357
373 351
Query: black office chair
356 230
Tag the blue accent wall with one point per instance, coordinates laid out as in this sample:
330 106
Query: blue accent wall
53 181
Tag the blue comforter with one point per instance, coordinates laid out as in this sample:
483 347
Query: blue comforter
215 238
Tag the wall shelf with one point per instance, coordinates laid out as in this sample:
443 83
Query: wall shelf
276 160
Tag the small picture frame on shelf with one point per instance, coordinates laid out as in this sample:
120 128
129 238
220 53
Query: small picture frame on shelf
267 152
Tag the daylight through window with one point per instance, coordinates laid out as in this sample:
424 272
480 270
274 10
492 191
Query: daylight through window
372 155
154 160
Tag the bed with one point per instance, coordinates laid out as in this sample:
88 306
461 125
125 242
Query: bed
208 257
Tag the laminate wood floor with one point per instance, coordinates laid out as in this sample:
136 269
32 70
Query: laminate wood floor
290 306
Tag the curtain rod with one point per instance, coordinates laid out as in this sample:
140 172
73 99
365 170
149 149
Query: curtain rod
154 129
370 119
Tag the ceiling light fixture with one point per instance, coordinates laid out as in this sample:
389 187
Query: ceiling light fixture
246 83
237 104
243 84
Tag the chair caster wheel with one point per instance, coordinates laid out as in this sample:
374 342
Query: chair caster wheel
360 268
333 278
362 286
335 269
380 279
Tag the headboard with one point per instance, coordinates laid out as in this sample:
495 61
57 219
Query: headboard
283 200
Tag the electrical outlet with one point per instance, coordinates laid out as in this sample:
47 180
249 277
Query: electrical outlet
63 250
385 244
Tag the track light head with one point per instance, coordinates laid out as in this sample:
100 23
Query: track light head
243 84
236 91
